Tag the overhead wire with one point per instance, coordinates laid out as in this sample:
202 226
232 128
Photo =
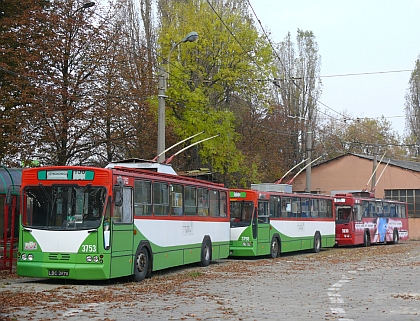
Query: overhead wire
294 78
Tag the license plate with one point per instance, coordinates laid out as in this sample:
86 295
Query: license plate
58 273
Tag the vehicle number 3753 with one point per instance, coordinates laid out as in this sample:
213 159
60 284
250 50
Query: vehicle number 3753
89 248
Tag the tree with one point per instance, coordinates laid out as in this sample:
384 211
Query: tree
299 88
125 121
213 78
359 136
17 62
412 106
59 40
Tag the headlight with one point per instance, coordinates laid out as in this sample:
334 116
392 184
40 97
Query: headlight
24 257
30 257
88 258
96 259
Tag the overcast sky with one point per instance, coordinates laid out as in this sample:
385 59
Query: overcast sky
355 36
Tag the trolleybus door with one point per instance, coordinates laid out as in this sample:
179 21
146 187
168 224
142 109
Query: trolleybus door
263 221
122 233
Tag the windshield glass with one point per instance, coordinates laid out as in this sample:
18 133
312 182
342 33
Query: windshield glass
241 213
343 214
63 207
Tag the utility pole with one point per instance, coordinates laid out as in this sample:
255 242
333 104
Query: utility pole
308 161
375 152
161 113
163 79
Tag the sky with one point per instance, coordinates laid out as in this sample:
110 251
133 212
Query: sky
355 37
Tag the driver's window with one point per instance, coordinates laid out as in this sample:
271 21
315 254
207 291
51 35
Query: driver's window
124 213
263 212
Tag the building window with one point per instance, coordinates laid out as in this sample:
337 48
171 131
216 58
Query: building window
410 196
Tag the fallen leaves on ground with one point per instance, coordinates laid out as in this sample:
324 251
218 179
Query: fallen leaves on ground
181 281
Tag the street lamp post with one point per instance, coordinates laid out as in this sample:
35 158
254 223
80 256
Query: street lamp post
85 6
163 77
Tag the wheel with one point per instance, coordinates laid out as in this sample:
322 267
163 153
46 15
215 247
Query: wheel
366 240
274 251
317 242
205 252
395 237
141 264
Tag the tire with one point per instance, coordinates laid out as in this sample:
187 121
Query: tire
205 252
274 248
366 239
141 264
317 242
395 237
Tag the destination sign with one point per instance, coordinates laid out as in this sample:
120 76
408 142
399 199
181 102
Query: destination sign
66 175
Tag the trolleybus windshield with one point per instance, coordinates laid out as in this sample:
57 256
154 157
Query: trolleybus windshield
241 213
63 207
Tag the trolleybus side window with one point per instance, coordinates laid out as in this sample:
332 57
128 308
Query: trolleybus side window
325 208
296 207
203 202
375 209
160 198
329 208
190 200
223 204
314 207
142 197
400 210
177 197
392 210
358 212
214 203
305 208
365 208
386 209
275 206
286 207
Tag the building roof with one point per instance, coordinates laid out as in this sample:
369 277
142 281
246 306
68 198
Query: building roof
413 166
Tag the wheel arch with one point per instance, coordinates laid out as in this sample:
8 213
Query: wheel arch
277 236
318 235
208 238
146 244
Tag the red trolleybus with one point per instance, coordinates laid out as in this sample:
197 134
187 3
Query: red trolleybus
270 223
361 219
88 223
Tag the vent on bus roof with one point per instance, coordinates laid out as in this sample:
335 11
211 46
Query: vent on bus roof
272 187
143 164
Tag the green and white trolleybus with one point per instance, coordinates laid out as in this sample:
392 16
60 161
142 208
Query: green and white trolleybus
265 221
87 223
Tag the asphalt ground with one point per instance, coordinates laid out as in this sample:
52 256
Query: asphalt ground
377 283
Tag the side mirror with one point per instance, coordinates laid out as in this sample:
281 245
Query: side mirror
118 200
